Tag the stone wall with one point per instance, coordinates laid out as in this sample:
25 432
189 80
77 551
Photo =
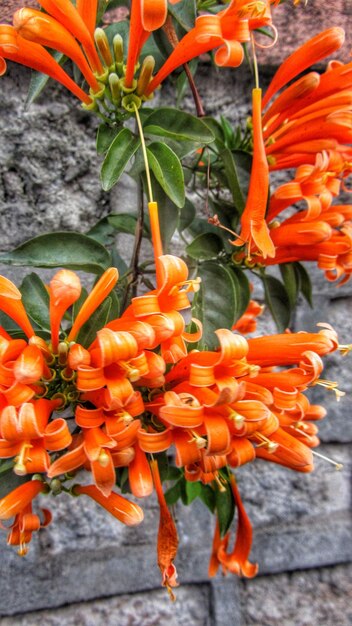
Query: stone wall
86 568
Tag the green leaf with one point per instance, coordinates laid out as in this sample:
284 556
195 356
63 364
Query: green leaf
39 80
233 177
305 283
184 13
105 137
124 223
291 282
36 300
187 215
120 152
10 481
193 490
207 495
173 473
167 169
178 125
214 303
205 246
97 320
102 231
168 214
225 508
215 128
242 291
174 493
277 300
61 249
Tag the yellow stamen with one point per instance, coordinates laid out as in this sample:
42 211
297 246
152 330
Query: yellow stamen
21 460
124 417
237 419
133 373
271 446
345 349
337 465
331 386
220 482
103 458
200 442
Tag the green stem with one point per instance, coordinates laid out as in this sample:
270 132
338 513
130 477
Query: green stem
145 156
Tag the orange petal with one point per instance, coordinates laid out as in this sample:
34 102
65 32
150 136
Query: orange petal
19 498
126 512
99 292
139 474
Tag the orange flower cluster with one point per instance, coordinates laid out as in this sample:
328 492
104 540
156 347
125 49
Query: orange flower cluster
71 30
308 126
136 391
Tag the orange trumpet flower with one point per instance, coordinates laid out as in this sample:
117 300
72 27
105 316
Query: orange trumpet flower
125 511
253 225
167 536
67 14
226 31
31 54
45 30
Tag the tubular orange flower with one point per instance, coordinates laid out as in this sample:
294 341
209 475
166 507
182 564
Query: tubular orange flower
66 13
313 51
99 292
253 225
10 303
15 501
15 48
88 12
288 348
167 536
125 511
146 16
226 31
45 30
64 290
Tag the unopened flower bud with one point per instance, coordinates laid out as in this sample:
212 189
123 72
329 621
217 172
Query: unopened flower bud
102 44
145 75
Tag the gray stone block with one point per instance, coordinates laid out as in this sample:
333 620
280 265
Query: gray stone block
149 608
309 598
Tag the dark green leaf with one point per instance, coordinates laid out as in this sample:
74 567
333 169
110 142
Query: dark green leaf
163 465
291 282
174 493
120 152
232 175
173 473
168 215
124 223
39 80
167 169
214 303
225 508
105 137
207 495
62 249
178 125
6 465
187 215
277 300
102 231
193 490
215 128
97 320
10 481
184 13
205 246
242 291
305 284
36 300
